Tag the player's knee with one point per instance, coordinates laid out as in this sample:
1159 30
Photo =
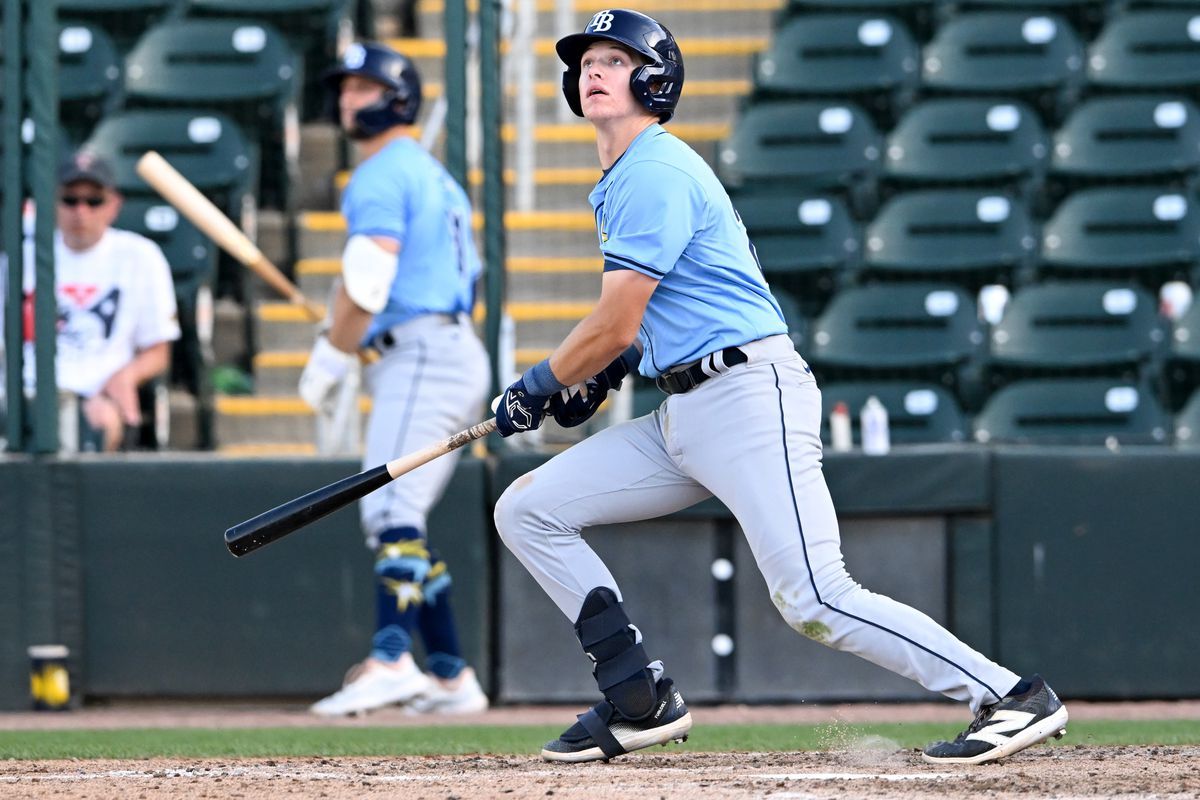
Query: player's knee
403 556
515 514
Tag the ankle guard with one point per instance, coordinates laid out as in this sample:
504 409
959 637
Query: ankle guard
611 642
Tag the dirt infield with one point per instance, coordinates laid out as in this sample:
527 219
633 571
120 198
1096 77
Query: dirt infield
871 769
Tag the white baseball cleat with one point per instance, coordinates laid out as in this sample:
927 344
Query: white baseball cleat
376 685
459 695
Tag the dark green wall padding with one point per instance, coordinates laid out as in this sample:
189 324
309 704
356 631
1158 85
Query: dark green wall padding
1078 563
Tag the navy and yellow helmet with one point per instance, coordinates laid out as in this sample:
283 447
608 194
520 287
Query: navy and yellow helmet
656 85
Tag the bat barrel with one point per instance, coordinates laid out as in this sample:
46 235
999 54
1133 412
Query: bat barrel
248 536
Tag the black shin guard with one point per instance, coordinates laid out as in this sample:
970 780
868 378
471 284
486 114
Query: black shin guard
620 660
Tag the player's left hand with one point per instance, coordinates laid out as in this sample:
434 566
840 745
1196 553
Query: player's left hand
326 369
576 404
518 411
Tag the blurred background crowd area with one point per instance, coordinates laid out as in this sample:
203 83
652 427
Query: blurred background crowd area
982 213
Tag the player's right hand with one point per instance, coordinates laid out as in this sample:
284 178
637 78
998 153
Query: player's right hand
576 404
327 367
518 411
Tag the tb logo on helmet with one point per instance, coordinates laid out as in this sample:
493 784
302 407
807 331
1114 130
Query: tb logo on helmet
601 22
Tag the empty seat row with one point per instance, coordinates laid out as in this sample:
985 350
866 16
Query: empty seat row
1047 411
1034 56
310 26
926 17
825 146
934 333
810 245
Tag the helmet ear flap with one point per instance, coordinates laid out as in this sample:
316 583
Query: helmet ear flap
570 87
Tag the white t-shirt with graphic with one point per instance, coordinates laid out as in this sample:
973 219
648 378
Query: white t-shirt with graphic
113 300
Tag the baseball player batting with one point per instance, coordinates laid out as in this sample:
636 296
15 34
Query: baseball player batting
740 421
408 274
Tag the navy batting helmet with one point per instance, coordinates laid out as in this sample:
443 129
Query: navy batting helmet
656 85
402 96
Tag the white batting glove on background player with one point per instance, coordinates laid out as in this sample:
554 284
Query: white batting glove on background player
327 367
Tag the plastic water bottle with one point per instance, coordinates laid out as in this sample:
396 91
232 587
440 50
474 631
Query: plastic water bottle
839 428
876 440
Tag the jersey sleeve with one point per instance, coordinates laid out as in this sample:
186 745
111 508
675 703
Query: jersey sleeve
376 202
158 317
649 217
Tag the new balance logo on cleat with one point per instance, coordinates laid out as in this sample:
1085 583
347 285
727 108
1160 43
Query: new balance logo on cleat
602 733
1004 728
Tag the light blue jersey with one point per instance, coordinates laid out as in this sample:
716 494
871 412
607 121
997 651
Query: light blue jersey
395 193
662 212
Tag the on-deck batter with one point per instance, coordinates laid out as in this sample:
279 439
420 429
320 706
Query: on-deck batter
408 276
741 421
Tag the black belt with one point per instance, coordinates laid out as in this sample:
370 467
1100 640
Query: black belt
385 341
685 380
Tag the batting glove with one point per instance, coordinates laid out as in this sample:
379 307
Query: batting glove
576 404
518 411
327 367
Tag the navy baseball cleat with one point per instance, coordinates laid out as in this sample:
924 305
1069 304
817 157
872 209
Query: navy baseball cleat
1004 728
602 733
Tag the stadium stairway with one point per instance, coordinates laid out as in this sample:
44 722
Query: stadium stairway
553 267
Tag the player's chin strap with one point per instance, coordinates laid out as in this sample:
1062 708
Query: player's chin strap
621 670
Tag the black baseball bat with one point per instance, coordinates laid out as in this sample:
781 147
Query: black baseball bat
267 527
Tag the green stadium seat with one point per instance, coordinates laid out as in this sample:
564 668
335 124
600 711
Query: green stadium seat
793 315
207 147
806 244
1123 139
918 331
872 60
124 20
805 146
89 78
244 69
968 141
965 236
1187 423
1034 57
1078 328
917 15
1085 16
1151 50
1129 233
1073 411
311 28
918 413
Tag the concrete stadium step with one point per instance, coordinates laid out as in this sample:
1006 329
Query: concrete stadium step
264 419
285 327
323 233
527 278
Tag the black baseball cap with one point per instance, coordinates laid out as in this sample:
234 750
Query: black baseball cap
85 165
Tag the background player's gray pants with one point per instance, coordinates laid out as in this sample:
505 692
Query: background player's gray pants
429 385
750 437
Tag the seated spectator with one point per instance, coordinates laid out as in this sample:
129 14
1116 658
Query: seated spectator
116 302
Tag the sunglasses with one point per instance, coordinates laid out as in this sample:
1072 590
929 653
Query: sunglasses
70 201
